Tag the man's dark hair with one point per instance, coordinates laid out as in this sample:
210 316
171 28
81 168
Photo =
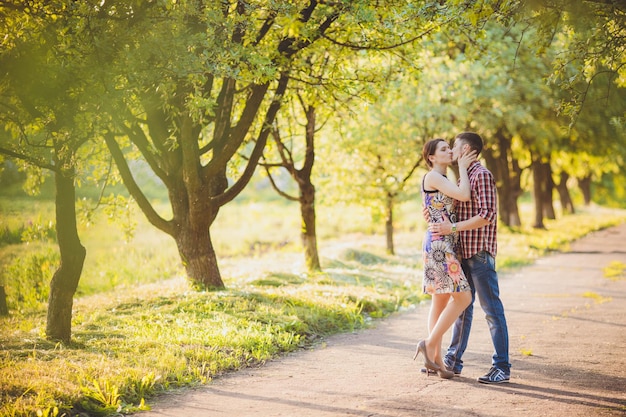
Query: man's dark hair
472 139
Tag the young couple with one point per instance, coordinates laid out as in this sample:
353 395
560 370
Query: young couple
459 250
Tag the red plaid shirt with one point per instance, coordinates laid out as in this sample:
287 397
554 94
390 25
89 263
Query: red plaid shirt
483 202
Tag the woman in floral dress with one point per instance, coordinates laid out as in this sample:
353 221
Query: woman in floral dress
444 279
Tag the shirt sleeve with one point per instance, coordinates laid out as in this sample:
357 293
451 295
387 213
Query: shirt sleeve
485 198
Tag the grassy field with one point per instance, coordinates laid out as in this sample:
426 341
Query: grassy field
139 329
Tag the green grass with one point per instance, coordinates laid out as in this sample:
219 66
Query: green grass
128 347
139 330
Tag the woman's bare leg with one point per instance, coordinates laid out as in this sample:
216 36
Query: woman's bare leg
450 307
437 307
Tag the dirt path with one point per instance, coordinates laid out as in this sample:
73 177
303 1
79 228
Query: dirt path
567 325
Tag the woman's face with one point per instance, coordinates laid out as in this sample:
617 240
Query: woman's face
443 154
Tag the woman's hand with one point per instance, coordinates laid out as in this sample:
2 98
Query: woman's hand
466 159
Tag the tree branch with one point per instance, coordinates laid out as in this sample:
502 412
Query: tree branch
285 155
358 47
137 136
275 186
309 137
129 181
270 116
224 107
190 150
269 22
31 160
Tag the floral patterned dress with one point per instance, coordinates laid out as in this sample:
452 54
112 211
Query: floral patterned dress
442 269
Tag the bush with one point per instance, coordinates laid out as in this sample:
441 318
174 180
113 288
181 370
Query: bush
10 236
34 231
26 280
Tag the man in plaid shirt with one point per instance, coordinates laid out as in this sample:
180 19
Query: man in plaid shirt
477 227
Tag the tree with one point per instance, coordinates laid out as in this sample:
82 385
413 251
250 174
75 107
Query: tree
506 168
199 83
587 43
220 72
597 142
589 40
380 151
329 80
302 177
42 96
4 310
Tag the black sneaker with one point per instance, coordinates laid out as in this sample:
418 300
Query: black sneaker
495 376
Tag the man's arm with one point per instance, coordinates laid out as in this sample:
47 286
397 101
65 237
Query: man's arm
484 200
445 227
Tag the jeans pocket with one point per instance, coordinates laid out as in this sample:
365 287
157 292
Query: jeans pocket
482 257
485 259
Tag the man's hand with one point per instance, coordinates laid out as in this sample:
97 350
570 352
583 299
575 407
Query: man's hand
441 229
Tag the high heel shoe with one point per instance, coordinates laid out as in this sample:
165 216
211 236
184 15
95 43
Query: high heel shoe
421 347
444 373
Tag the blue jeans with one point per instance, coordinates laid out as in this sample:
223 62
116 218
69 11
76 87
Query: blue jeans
480 271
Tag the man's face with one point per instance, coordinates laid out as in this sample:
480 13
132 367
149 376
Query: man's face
457 149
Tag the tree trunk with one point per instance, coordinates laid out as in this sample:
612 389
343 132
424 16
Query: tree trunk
507 173
4 309
199 258
548 188
302 177
585 186
307 191
515 191
564 195
510 209
538 192
309 233
389 225
65 279
194 217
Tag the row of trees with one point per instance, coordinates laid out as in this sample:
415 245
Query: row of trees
205 92
498 89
